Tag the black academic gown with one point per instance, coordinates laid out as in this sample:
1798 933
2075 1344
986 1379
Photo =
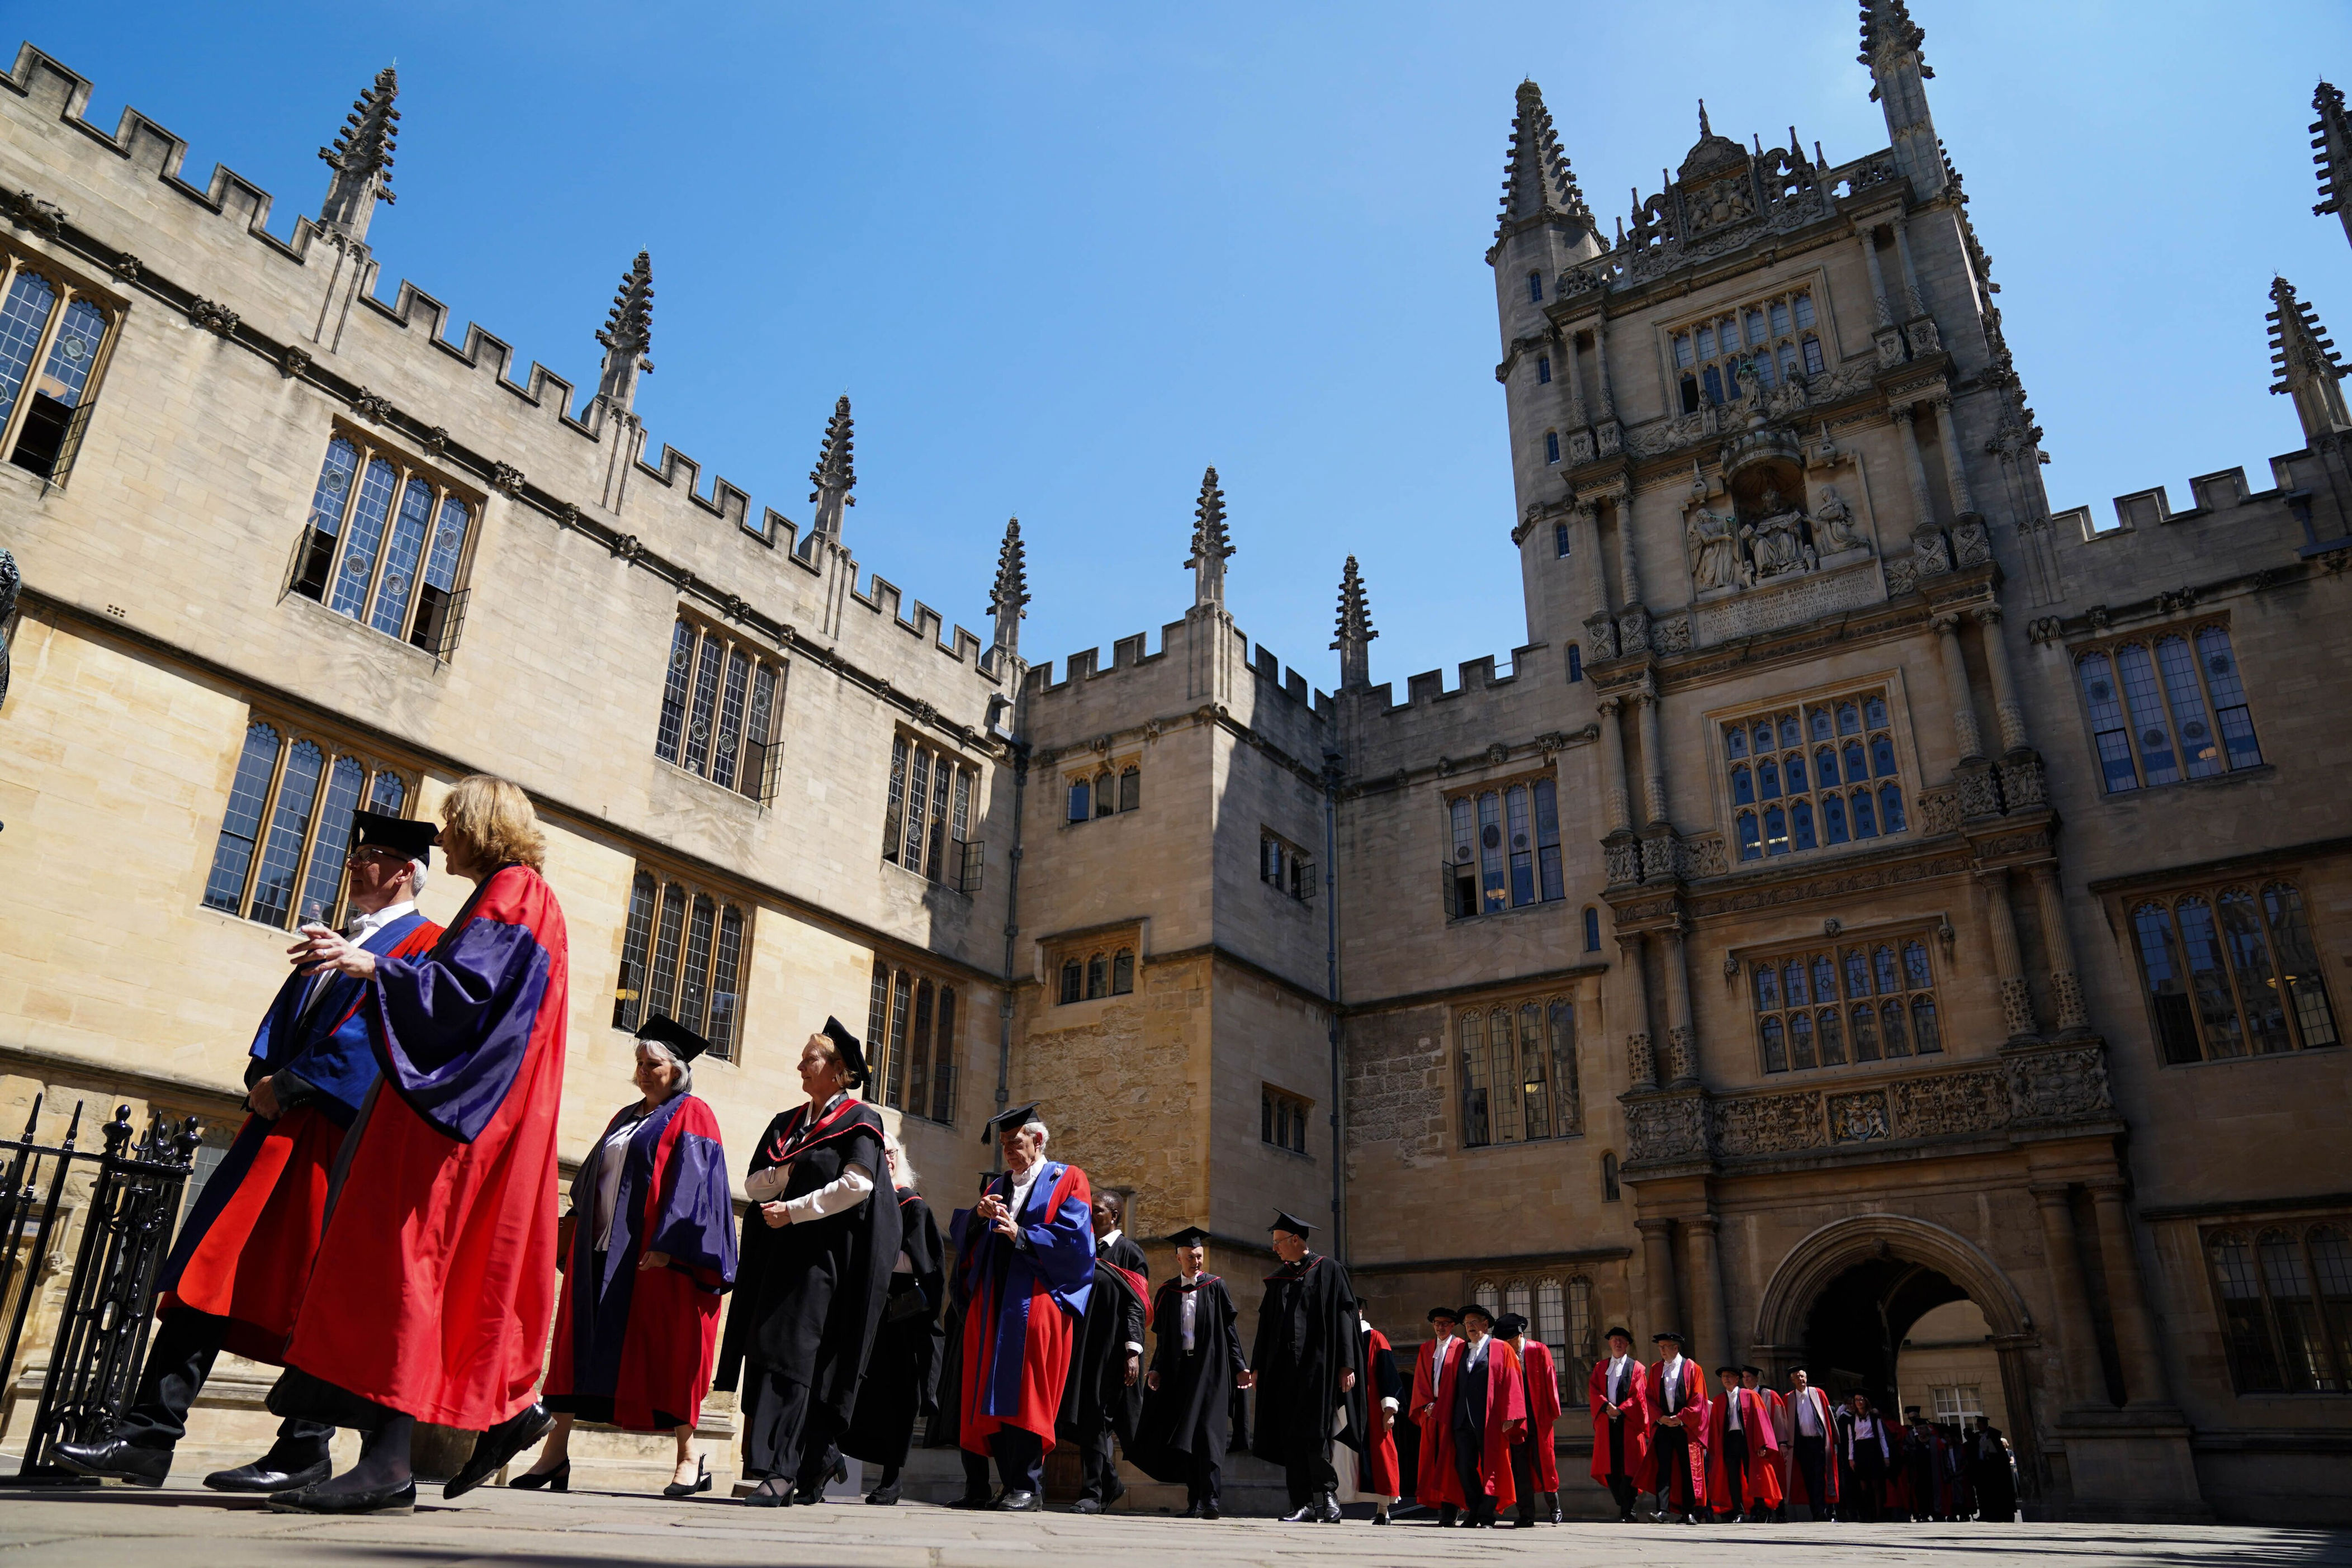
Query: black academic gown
1190 1413
902 1378
1096 1394
809 1297
1308 1333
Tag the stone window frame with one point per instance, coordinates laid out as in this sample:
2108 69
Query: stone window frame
915 1023
1283 1119
2125 701
1684 368
68 288
320 819
1471 1067
942 851
1909 775
1560 1313
322 556
722 708
697 970
1285 868
1112 788
2278 1297
1466 872
1102 964
1895 940
2183 924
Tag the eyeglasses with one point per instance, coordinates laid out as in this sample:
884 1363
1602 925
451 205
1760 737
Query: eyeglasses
374 853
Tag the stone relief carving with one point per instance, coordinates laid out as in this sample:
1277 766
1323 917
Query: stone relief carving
1771 1124
1725 201
1776 542
1858 1118
2064 1085
2017 1007
1979 793
1941 1107
1713 543
2061 1085
1930 555
1623 865
294 363
1664 1130
2023 784
1682 1054
1833 521
1672 635
1702 856
1641 1061
1972 542
1940 812
213 317
1599 638
1633 630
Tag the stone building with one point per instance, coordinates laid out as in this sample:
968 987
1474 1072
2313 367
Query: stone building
1869 899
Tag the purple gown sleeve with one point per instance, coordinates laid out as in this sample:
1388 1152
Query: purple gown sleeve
451 1028
696 1223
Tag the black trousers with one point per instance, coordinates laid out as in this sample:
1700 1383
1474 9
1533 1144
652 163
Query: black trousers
180 1355
1861 1486
1735 1475
975 1475
1620 1484
1469 1447
1205 1480
1020 1458
1811 1455
1309 1475
1098 1468
785 1431
1670 1446
1523 1479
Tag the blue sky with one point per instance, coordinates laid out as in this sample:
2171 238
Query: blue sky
1061 258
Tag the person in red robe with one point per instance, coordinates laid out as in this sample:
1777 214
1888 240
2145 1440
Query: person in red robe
435 1284
1743 1473
1775 1411
1435 1484
1535 1460
1678 1403
1487 1412
234 1279
1619 1390
1377 1477
1807 1428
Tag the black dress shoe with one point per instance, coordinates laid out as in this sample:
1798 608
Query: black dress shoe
1209 1511
974 1501
1328 1513
1381 1518
401 1498
1306 1513
774 1491
263 1475
702 1481
884 1497
1086 1505
557 1480
494 1448
809 1496
1019 1503
1191 1511
116 1459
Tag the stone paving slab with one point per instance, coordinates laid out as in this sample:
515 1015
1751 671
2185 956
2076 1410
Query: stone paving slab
184 1526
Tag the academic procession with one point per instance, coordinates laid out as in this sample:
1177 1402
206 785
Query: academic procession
381 1231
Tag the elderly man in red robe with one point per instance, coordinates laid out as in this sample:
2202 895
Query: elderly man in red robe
1026 1263
1678 1410
1435 1484
1807 1429
1487 1412
1619 1390
1535 1461
1743 1475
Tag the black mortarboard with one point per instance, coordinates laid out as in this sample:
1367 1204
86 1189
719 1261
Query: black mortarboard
682 1042
1663 1335
852 1054
1510 1325
412 838
1010 1120
1910 1409
1470 1307
1450 1314
1291 1223
1753 1371
1725 1371
1191 1236
1619 1331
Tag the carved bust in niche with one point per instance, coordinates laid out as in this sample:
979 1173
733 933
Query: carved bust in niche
1775 541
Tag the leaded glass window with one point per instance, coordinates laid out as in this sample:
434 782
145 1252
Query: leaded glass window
2232 971
385 544
1819 776
1518 1071
1833 1006
719 712
2167 709
286 829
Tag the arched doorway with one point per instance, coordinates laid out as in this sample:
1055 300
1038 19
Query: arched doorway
1858 1320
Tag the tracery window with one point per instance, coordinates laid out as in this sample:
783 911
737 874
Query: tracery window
1766 342
1283 866
927 824
2232 971
2167 707
1090 977
55 339
1516 1065
1107 791
1559 1309
685 952
911 1042
283 838
722 703
1814 776
386 545
1833 1006
1506 850
2285 1294
1282 1119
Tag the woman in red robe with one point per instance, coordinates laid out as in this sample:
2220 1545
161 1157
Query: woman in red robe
1376 1470
435 1283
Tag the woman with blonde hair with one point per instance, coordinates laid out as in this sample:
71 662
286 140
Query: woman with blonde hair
435 1275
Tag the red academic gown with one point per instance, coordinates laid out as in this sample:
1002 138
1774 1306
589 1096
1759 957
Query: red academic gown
1025 1305
1379 1460
1693 1417
245 1253
1793 1475
1763 1481
1435 1480
1506 1405
1542 1382
1635 1422
435 1284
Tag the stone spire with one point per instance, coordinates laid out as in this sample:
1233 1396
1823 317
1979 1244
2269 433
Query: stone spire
2331 140
628 334
1008 600
2308 369
1356 632
362 160
1212 545
1538 185
1890 47
833 475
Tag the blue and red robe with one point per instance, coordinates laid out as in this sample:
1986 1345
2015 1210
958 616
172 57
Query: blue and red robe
635 1348
435 1283
1025 1304
244 1252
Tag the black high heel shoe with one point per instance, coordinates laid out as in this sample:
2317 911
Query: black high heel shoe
702 1481
557 1480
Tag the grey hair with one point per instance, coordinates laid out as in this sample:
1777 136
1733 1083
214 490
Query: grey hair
661 1052
891 1145
421 872
1034 1125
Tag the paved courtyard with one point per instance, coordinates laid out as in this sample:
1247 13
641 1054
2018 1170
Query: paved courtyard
184 1526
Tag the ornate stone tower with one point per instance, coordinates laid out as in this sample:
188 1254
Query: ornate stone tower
1356 634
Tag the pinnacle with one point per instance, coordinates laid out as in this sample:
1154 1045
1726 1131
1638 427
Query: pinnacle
2300 346
833 468
1210 539
1010 594
364 145
1537 180
1886 24
630 328
1355 611
2331 143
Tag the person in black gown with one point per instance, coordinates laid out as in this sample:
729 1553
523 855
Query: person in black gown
1307 1369
812 1275
1105 1391
1197 1371
902 1379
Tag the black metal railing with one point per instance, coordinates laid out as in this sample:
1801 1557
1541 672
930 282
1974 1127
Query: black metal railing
126 1229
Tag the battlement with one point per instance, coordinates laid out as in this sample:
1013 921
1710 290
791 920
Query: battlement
2223 490
1427 690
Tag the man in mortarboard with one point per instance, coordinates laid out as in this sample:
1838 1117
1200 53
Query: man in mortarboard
1025 1260
1806 1427
1196 1367
236 1276
1743 1451
1307 1369
1535 1459
1436 1486
1104 1393
1488 1412
1679 1412
1619 1391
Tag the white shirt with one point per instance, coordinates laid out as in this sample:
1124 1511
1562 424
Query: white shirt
1670 1376
1102 1246
1188 1304
356 931
1733 1395
1809 1420
1478 1357
1618 1378
846 1190
611 1157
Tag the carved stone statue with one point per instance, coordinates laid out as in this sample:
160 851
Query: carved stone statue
1713 541
1776 541
1833 522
